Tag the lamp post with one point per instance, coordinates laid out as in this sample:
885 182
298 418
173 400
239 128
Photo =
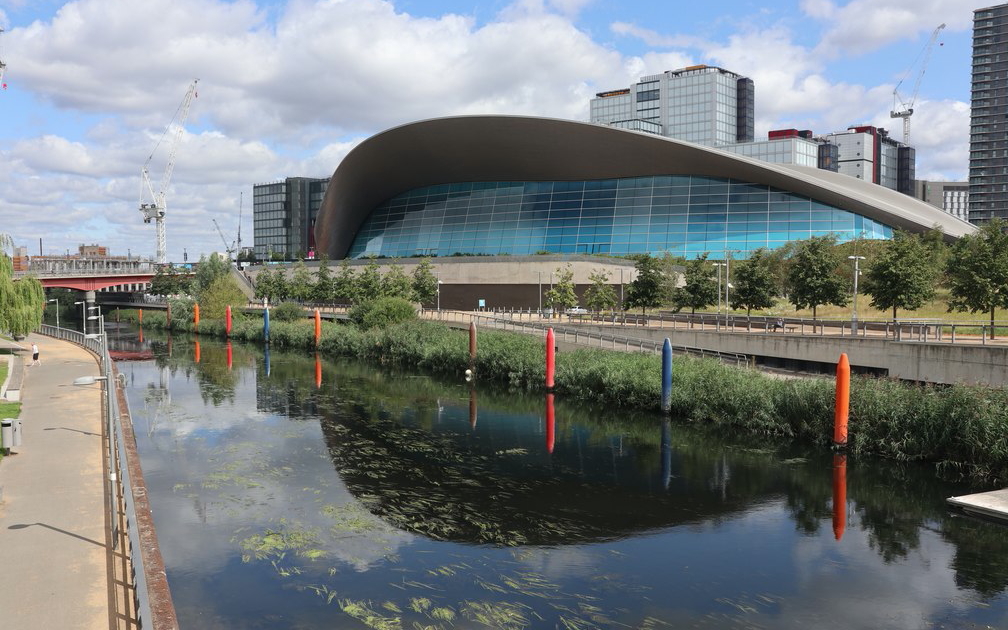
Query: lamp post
57 310
83 309
439 295
857 272
719 265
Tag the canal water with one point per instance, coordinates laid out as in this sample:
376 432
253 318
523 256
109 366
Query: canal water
291 492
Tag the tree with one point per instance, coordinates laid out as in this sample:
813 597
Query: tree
814 274
562 296
208 270
367 285
650 288
323 290
903 275
600 295
395 283
425 283
345 284
215 299
977 271
700 287
755 283
22 301
301 285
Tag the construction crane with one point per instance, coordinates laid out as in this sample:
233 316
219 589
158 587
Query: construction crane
3 66
235 247
228 249
155 209
904 109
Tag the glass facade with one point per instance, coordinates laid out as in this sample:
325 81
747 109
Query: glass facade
680 214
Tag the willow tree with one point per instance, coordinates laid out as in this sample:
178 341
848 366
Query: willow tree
21 301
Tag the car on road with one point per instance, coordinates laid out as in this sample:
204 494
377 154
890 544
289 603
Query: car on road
577 310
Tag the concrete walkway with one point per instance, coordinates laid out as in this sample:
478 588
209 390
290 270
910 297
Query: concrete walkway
58 566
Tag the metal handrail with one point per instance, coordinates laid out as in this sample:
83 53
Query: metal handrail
566 334
121 480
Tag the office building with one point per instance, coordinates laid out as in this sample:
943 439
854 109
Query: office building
283 217
514 185
988 170
952 197
702 104
868 153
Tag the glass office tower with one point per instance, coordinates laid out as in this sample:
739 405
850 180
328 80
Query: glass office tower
988 174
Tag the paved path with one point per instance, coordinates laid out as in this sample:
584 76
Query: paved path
54 546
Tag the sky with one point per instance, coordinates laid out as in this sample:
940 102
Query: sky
288 88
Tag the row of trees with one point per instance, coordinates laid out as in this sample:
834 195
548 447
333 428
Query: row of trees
348 285
902 273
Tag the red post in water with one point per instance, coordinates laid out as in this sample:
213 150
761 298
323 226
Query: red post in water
550 424
141 335
842 409
472 345
318 371
230 356
196 316
472 408
196 352
318 327
839 495
550 358
141 316
227 320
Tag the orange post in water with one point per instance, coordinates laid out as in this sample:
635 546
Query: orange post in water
839 495
842 401
196 352
318 371
140 315
472 345
195 315
472 408
318 327
550 358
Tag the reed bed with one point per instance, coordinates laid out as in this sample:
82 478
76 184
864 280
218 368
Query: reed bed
962 429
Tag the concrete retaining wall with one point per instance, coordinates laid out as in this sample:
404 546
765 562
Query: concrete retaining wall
908 360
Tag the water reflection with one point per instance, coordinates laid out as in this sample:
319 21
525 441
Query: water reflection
286 500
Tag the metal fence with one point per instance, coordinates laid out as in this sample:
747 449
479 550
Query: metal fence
123 488
572 334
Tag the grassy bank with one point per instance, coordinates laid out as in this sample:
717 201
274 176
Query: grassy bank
961 429
7 409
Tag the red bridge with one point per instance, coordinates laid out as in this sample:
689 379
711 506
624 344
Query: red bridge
90 274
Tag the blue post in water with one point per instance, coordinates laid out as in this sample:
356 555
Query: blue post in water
666 376
666 453
266 324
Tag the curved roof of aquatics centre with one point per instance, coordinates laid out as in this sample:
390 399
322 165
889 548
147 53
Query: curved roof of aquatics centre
523 148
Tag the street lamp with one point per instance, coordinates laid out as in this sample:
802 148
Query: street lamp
857 272
57 310
719 265
83 309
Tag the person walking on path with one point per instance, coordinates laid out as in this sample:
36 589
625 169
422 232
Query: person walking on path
35 359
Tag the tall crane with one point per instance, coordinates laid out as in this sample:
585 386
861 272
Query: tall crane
904 109
3 66
155 209
228 249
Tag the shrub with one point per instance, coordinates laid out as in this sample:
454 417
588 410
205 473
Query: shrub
382 312
287 312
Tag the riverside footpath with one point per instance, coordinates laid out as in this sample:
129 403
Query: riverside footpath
59 568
